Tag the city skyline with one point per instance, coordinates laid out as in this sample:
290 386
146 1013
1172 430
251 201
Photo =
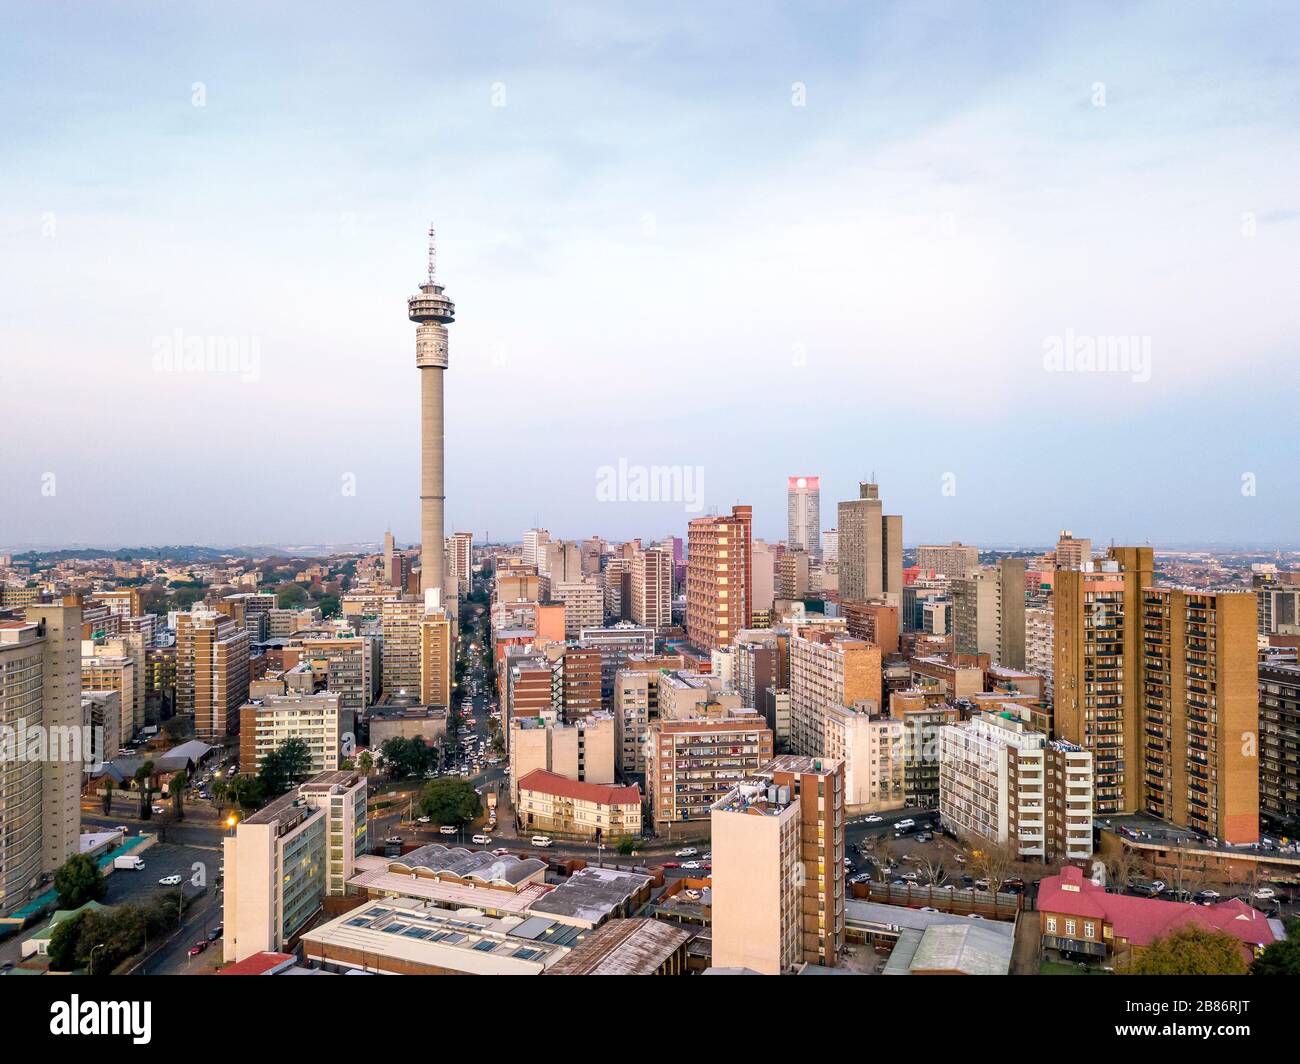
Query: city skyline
952 208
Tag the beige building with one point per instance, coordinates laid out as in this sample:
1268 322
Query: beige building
692 762
871 747
718 577
437 653
460 547
582 751
988 612
551 804
40 689
827 668
1039 645
584 604
778 868
953 561
111 673
400 621
870 549
316 719
211 671
652 588
286 858
1072 553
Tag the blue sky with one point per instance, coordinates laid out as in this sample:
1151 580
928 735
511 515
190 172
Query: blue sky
657 256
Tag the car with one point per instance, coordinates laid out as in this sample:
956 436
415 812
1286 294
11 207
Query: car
170 881
1264 893
215 933
447 829
501 851
393 838
671 864
687 851
947 886
159 809
911 876
974 916
928 909
961 858
848 863
198 947
123 829
690 865
1208 896
872 819
707 856
908 822
482 840
423 820
861 877
900 883
541 840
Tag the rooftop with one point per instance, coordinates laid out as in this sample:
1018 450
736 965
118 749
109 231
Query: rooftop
600 793
623 947
481 865
591 895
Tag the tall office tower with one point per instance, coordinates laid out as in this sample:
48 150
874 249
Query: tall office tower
40 688
436 657
462 554
211 670
652 589
399 621
804 502
1200 719
616 580
827 669
535 540
778 868
831 548
1039 645
762 582
719 586
989 612
1279 743
954 560
1071 553
870 549
433 312
392 574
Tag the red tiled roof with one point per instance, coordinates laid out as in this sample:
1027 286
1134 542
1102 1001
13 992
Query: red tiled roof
257 964
1141 920
603 793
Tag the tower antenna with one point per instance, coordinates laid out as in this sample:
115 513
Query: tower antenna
433 254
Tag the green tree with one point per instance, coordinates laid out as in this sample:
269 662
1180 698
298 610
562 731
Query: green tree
627 845
290 595
79 880
65 944
366 762
177 790
1190 950
284 767
450 800
1282 957
177 729
247 792
329 604
144 782
106 795
404 758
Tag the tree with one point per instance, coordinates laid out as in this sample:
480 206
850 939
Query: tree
366 762
144 781
1122 867
285 767
1190 950
65 941
931 871
450 800
1283 957
106 795
404 758
176 729
627 845
290 595
79 880
246 792
994 861
177 790
329 604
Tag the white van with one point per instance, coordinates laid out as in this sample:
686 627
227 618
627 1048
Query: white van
541 840
482 840
908 823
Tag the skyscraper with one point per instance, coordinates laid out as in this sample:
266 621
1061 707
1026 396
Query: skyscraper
433 312
211 670
652 588
718 577
804 501
870 549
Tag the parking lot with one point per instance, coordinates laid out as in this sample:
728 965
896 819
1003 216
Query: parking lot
160 860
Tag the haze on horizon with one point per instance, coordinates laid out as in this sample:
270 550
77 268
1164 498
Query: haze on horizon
825 242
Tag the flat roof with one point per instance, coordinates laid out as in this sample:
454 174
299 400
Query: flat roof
591 894
624 947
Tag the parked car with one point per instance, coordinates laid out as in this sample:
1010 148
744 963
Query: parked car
214 934
482 840
394 839
541 840
1264 893
447 829
423 820
690 865
906 823
198 947
1208 897
687 851
501 852
871 818
671 864
170 881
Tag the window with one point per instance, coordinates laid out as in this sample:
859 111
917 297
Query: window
1051 925
1069 928
1089 929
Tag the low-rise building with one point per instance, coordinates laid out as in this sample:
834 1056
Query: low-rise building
551 804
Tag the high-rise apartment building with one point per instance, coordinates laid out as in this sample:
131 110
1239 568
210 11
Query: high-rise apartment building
1279 745
1072 553
535 541
1039 645
778 868
792 569
718 577
691 762
870 745
762 582
804 501
1160 685
317 720
461 549
652 589
437 656
988 606
211 671
1002 780
827 668
400 621
584 605
870 549
40 693
953 561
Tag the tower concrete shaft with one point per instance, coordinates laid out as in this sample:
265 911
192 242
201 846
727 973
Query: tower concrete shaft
432 311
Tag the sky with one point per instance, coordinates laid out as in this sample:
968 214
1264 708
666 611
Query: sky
726 243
